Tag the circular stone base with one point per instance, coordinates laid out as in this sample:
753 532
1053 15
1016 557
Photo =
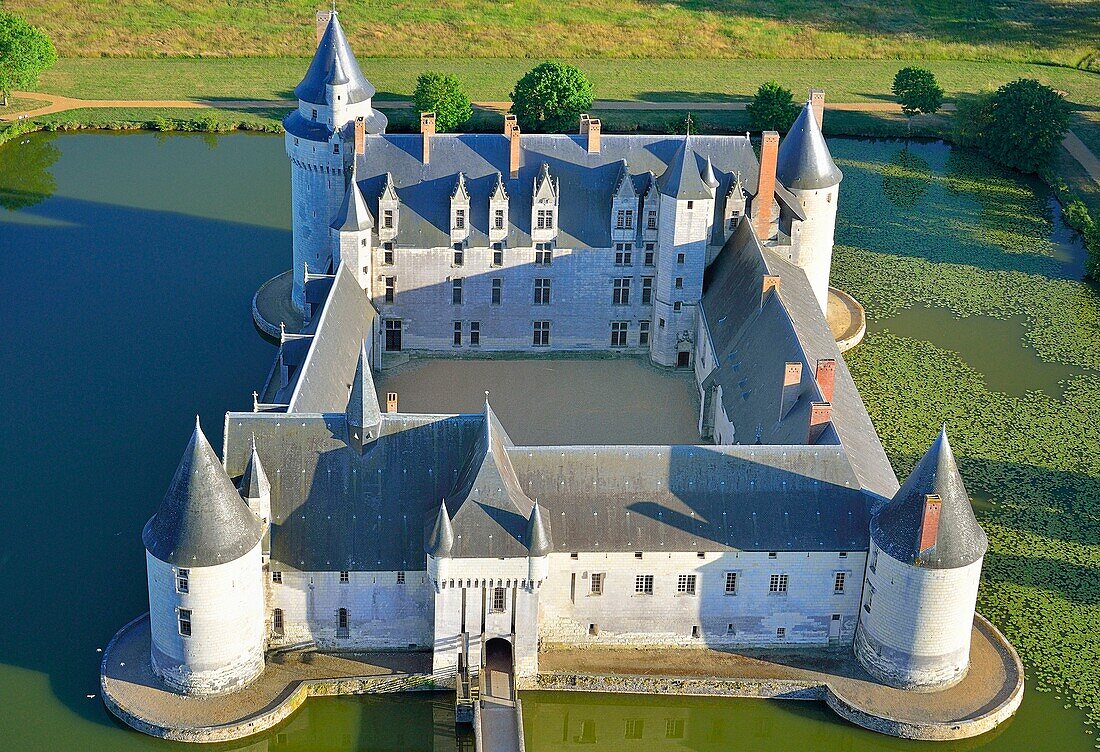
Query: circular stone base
272 306
847 319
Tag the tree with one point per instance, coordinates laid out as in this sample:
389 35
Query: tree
442 94
550 97
24 53
772 108
1019 126
917 92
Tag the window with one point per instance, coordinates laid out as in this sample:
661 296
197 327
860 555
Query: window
674 727
624 253
874 560
651 220
643 584
544 219
593 630
838 582
643 333
342 623
277 578
691 205
544 254
542 291
460 219
336 148
498 254
460 254
620 219
780 633
843 554
870 597
387 254
731 583
498 288
773 554
185 622
456 291
685 583
182 580
660 323
621 293
277 622
679 283
400 578
475 333
730 629
681 258
634 727
637 554
630 219
647 290
345 578
387 219
391 289
649 254
458 334
595 583
574 555
778 583
618 333
314 115
695 633
498 600
733 223
498 219
677 306
541 334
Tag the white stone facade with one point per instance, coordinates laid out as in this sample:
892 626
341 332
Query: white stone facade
814 250
223 606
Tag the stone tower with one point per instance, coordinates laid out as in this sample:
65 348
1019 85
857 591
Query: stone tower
206 591
922 576
332 120
807 169
687 217
351 234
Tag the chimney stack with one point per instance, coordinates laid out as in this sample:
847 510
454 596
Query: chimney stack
765 186
817 104
427 130
360 135
930 522
792 387
826 378
511 131
590 128
323 17
584 124
770 282
391 402
820 415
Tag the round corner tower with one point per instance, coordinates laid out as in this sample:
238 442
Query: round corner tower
323 134
806 168
205 572
923 568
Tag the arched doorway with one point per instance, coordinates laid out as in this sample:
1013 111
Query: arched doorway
498 668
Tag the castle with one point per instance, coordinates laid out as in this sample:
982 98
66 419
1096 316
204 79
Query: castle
330 522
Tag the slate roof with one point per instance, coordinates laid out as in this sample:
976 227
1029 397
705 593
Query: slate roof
353 214
333 63
683 178
362 410
202 521
804 161
587 181
752 344
960 540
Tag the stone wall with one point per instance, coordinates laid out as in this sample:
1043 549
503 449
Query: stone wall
815 243
317 184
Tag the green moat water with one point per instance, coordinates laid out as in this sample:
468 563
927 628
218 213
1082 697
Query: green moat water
129 263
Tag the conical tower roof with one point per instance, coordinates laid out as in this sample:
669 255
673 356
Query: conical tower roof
683 178
708 175
363 411
441 539
254 483
333 63
538 538
804 162
353 214
957 540
202 521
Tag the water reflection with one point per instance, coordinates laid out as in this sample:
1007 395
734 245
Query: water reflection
25 177
905 178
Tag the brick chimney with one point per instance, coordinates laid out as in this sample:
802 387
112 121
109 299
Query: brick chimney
391 402
511 131
770 282
765 186
826 377
930 522
360 135
792 387
591 128
323 17
817 104
820 415
584 124
427 130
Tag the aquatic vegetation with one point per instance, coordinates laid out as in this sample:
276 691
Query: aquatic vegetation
976 241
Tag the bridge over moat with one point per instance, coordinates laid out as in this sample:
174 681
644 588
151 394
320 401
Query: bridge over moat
487 698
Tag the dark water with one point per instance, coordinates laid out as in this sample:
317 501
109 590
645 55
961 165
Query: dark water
128 266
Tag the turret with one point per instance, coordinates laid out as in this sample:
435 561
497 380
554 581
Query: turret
734 210
922 575
805 167
206 604
256 492
539 545
351 233
363 414
323 135
441 539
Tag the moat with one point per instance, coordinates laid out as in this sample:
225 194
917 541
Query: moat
104 361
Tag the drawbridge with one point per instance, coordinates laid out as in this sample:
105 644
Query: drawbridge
486 698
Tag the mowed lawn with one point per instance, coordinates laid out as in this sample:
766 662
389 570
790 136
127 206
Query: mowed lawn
1062 32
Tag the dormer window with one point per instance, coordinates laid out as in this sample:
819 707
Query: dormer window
545 219
387 219
460 219
624 219
498 219
336 148
314 114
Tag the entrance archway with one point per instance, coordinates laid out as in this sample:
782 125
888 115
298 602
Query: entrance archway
498 668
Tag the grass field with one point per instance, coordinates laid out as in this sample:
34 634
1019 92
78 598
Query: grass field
1062 32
